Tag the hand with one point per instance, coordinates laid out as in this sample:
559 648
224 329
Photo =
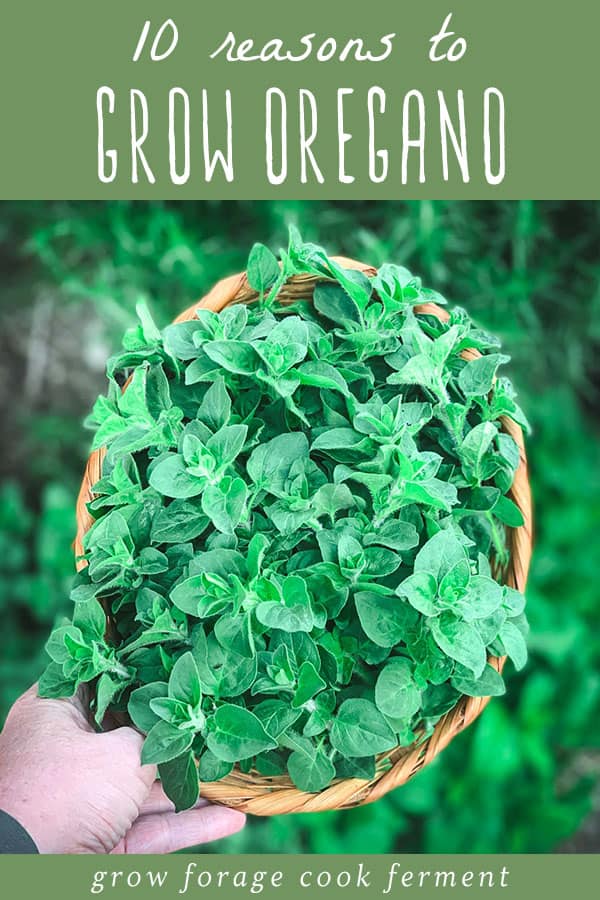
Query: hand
77 791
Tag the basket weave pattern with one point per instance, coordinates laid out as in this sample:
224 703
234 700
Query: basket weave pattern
263 795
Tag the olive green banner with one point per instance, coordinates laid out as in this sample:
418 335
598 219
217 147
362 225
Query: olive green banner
388 100
514 877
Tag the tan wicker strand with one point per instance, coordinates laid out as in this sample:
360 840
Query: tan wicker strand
265 796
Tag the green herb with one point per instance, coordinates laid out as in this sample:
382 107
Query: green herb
295 527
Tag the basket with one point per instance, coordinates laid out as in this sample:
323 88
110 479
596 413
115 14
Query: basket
263 795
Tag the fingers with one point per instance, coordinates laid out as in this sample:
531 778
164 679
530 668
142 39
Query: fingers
158 802
168 831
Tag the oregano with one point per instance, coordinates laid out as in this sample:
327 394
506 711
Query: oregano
294 529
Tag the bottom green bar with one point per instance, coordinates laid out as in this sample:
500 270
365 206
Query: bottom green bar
299 876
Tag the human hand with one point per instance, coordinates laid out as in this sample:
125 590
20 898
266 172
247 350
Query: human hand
77 791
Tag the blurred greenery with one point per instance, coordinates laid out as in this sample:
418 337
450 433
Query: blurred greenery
525 776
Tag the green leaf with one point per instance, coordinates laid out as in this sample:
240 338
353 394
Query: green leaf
202 370
262 268
221 562
484 597
233 320
322 375
385 620
164 743
420 370
396 693
234 632
171 478
309 684
440 554
457 581
335 304
489 684
362 767
179 779
212 769
139 705
513 602
287 616
359 729
225 503
238 357
288 339
394 534
184 681
460 641
508 512
215 409
270 463
420 589
179 340
276 716
227 444
339 438
108 690
56 646
331 498
149 330
310 772
238 734
90 618
178 522
477 377
176 712
514 644
53 683
474 449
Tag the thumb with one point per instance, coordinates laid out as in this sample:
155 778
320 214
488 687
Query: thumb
123 747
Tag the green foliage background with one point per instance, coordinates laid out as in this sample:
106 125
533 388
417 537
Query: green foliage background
525 777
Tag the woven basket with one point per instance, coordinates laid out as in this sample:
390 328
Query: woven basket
265 796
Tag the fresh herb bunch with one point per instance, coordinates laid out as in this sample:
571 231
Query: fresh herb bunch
295 527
